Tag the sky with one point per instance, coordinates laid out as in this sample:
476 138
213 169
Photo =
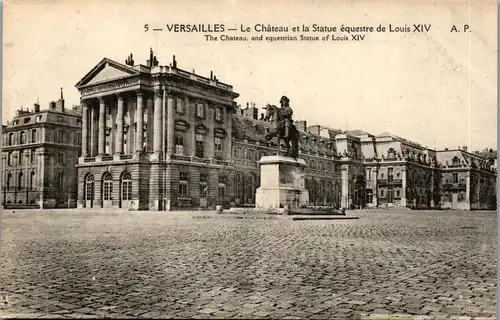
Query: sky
437 88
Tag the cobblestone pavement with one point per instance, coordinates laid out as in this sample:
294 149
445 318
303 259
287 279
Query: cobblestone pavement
74 264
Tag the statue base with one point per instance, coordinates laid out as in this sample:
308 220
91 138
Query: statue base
282 183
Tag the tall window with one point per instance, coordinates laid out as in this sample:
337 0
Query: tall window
250 154
390 174
79 139
369 196
218 144
21 156
390 195
9 180
107 189
60 181
9 158
11 139
183 184
33 135
89 187
60 158
20 180
107 146
23 137
203 185
369 174
455 177
32 180
200 110
218 114
222 188
179 143
127 186
200 146
62 136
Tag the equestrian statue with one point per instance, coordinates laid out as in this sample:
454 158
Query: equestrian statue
282 127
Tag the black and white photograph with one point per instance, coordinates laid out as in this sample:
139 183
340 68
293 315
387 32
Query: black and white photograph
230 159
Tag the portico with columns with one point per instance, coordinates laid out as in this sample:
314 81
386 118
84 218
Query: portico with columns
131 115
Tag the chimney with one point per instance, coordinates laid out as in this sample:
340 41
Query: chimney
314 129
301 125
60 103
251 112
37 107
465 148
52 105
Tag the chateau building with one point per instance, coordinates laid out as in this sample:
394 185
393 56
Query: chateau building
468 180
154 137
39 151
160 138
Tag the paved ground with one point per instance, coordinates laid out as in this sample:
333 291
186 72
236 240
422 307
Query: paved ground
150 264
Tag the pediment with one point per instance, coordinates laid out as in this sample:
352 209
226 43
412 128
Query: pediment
107 70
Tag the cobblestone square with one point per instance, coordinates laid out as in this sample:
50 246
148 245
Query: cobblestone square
70 263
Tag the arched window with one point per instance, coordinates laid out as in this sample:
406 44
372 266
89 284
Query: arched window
89 187
107 187
32 180
455 161
20 180
9 178
126 186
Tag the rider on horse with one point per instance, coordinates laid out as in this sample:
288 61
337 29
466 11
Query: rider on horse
286 114
284 128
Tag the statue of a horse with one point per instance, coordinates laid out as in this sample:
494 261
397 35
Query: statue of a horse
284 129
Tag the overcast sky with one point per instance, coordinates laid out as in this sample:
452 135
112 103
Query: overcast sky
415 85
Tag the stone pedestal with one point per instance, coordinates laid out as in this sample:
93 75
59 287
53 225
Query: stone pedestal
282 183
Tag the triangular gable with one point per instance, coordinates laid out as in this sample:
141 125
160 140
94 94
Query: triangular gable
106 70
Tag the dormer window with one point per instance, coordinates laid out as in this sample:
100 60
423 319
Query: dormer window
15 122
26 120
60 119
38 118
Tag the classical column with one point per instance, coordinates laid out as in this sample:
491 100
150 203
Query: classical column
467 189
85 131
150 123
93 132
210 143
139 121
112 133
119 126
170 124
403 187
164 121
345 186
102 126
157 122
432 189
375 186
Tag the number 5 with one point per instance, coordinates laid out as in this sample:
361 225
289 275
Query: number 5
146 27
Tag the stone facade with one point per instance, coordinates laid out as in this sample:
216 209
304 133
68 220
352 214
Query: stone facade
154 137
39 153
159 138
